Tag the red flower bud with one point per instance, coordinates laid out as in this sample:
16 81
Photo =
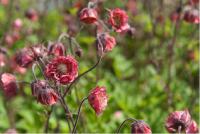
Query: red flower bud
175 16
63 69
105 43
31 14
57 49
140 127
17 24
88 15
24 57
118 19
98 99
178 120
9 84
44 93
192 128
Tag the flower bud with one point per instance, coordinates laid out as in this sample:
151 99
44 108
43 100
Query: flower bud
192 128
56 49
178 121
98 99
32 15
44 93
39 51
88 15
9 84
105 43
192 16
3 60
24 57
79 52
17 24
140 127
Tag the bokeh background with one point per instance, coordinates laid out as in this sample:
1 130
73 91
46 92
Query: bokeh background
146 77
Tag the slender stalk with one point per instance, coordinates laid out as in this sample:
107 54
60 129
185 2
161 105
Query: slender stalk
69 88
128 119
78 114
33 71
48 118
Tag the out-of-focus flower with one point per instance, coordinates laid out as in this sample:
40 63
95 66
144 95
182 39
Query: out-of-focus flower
105 43
88 15
118 115
56 49
98 99
4 2
132 6
194 2
24 57
178 120
192 128
16 68
62 69
44 93
31 14
3 59
118 19
140 127
175 16
9 84
11 131
192 16
17 24
9 40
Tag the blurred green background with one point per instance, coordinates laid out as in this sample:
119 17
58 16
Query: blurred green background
143 79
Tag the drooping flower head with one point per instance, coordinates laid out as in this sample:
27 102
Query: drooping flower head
98 99
118 19
44 93
8 84
57 49
140 127
178 120
31 14
88 15
62 69
192 16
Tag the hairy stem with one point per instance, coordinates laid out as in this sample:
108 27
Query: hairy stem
122 124
78 114
48 118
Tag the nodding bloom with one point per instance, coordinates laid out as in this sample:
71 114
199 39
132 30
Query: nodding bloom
192 128
31 14
39 51
62 69
192 16
178 121
118 19
44 93
105 43
24 57
56 49
9 84
140 127
16 68
98 99
88 15
17 24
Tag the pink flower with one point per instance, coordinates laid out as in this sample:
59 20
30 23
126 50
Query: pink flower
44 93
98 99
118 19
140 127
194 2
31 14
9 84
24 57
3 59
88 15
178 120
63 69
39 51
57 49
17 24
175 16
16 68
105 43
192 128
192 16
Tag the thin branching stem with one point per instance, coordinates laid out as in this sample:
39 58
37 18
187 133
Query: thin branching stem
122 124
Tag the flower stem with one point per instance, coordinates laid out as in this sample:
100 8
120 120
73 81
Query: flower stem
48 118
122 124
78 114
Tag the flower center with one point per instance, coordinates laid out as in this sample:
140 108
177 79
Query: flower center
62 68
